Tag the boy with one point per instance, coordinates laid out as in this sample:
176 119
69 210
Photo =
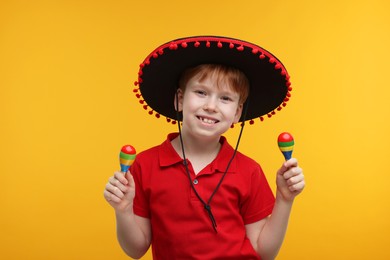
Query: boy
194 196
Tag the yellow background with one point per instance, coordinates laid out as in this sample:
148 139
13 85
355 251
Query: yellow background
67 107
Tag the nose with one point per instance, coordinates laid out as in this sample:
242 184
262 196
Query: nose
210 104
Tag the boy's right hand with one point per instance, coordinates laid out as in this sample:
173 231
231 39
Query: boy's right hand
120 191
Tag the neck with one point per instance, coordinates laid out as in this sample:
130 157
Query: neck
199 144
199 151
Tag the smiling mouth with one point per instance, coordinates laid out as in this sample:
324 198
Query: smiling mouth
207 120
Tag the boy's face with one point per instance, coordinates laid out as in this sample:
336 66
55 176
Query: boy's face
208 109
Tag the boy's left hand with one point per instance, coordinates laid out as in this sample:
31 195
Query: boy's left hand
290 180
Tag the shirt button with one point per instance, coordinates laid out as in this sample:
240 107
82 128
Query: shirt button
195 181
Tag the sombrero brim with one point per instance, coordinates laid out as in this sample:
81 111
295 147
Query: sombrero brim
160 72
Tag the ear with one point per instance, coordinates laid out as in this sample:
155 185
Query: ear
238 113
178 101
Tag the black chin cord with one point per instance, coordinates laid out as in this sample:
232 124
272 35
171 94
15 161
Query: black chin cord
207 206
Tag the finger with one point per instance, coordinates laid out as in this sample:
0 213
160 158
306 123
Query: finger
298 187
115 191
293 162
121 177
116 183
294 171
295 179
110 197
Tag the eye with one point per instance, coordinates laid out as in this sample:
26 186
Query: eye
226 98
200 92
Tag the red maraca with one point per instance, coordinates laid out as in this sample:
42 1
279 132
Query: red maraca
126 157
286 144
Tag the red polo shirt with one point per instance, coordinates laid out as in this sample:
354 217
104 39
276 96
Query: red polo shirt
181 227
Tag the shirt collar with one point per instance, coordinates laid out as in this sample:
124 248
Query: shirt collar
168 156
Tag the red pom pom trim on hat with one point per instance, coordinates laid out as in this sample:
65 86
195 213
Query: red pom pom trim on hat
173 46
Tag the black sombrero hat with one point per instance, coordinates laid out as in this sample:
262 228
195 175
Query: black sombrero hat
160 72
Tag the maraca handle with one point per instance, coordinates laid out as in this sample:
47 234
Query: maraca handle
125 168
287 155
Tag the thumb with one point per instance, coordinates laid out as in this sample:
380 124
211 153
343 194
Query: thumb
293 162
129 178
283 168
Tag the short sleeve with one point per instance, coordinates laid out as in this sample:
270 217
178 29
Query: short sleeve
141 205
260 201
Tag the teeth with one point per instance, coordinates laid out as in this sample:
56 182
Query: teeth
208 121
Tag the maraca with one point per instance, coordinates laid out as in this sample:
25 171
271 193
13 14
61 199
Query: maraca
126 157
286 144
